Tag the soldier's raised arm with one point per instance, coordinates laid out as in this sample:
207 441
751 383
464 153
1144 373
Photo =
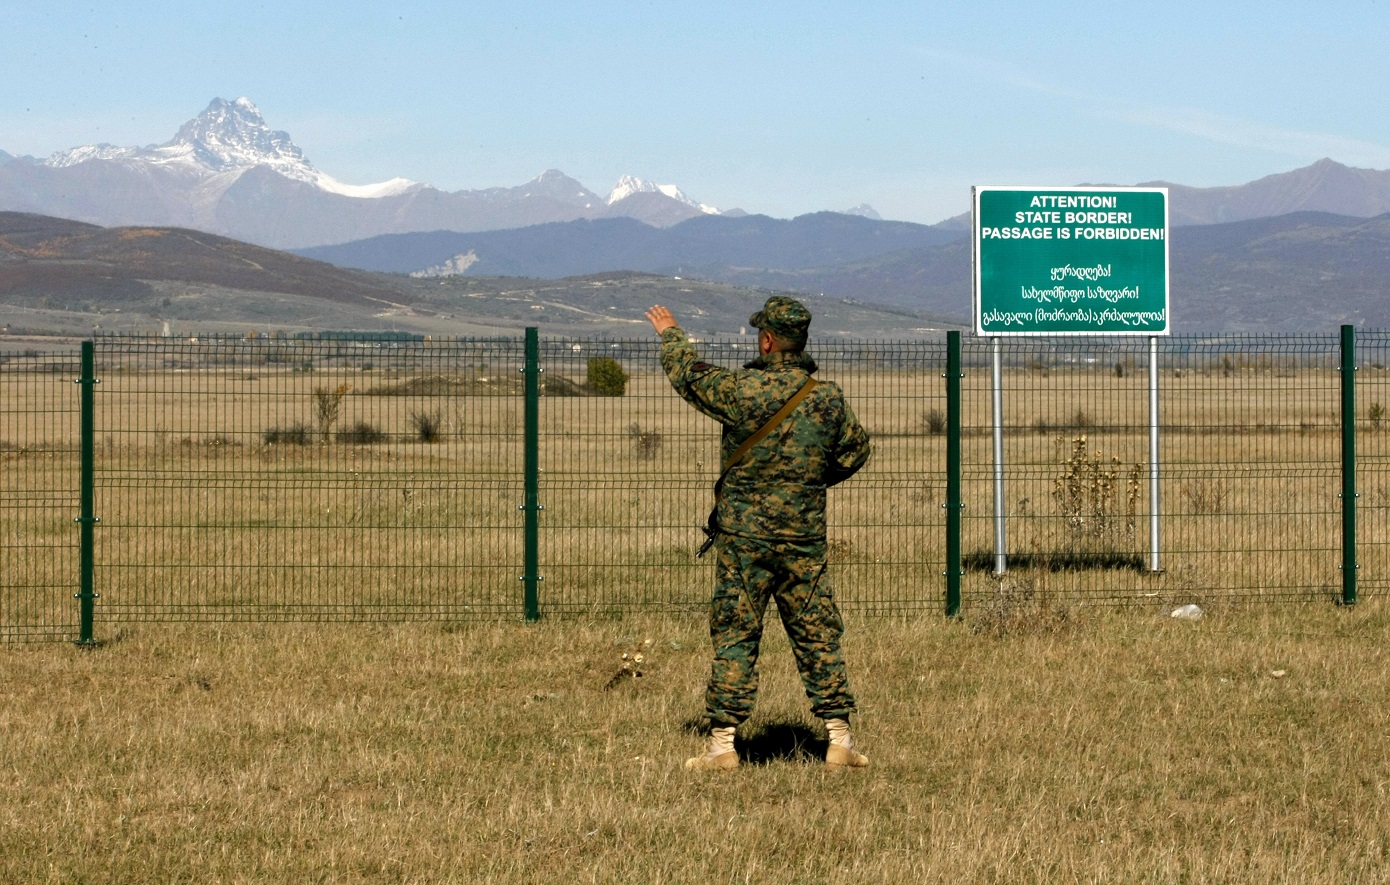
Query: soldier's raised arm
710 389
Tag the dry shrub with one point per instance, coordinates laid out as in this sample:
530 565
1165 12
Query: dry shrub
1079 420
326 407
1205 497
1021 607
1087 494
646 442
297 434
630 665
934 422
361 434
427 425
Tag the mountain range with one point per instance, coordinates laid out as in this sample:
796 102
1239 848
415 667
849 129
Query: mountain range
227 172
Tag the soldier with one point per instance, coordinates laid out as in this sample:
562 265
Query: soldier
768 526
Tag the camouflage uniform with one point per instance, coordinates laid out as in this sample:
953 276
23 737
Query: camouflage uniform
771 513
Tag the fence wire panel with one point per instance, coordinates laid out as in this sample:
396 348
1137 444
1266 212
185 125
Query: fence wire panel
1373 460
303 480
887 525
1249 463
39 407
626 481
1252 466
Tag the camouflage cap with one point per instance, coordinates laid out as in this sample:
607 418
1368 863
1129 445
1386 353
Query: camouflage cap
786 318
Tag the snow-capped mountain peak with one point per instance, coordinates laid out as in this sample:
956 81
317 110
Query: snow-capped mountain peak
629 185
229 137
233 134
863 210
76 155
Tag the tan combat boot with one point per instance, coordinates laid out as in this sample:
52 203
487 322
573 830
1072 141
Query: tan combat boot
841 752
721 755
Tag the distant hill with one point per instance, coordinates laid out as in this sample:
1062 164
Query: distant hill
39 253
1300 272
70 278
583 247
1326 186
1305 271
1290 272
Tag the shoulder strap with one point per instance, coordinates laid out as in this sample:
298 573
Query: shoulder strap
711 527
767 428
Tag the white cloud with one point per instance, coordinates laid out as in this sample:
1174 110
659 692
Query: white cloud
1301 145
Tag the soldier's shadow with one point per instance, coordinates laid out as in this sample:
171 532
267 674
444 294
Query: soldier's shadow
759 743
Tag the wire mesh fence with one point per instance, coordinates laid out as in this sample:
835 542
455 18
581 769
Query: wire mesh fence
307 480
383 479
1373 459
1247 457
626 480
38 493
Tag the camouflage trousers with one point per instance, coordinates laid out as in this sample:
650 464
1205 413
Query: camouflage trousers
749 573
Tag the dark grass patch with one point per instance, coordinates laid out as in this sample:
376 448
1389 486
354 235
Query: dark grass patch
1059 561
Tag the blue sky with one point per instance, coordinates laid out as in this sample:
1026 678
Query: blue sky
772 107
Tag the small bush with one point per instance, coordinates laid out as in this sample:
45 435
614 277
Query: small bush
646 442
297 434
1088 494
934 422
1020 608
1205 497
427 426
606 376
1079 421
361 434
1119 370
1376 414
327 404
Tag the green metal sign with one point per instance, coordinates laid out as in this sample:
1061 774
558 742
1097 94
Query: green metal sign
1071 261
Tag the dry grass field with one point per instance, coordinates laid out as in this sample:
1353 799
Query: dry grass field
1090 745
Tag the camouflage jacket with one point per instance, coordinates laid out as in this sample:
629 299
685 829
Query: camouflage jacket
777 491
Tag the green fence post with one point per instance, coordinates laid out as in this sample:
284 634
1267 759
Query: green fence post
86 519
1349 564
531 467
953 503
